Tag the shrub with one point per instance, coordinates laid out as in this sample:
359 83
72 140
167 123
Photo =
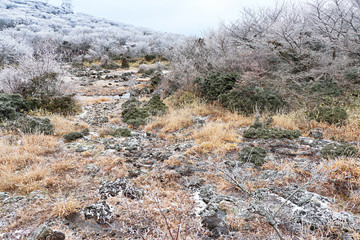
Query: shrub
155 106
331 115
125 63
15 101
27 124
258 130
149 57
255 155
76 135
64 105
122 132
324 88
250 98
154 81
333 150
134 116
42 86
11 106
215 84
131 102
73 136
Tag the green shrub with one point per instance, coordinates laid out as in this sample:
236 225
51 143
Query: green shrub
258 130
27 124
73 136
122 132
249 99
64 105
155 106
43 86
15 101
154 81
331 115
7 112
333 150
131 102
324 88
76 135
134 116
215 84
149 57
255 155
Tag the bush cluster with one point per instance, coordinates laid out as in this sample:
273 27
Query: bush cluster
76 135
334 150
259 130
135 114
331 115
28 124
250 99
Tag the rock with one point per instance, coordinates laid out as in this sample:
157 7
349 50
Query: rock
4 196
45 233
316 133
100 211
111 189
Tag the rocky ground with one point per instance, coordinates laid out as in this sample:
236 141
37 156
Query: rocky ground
148 186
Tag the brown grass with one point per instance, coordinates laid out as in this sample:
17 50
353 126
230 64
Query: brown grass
64 126
66 207
298 121
93 100
22 162
216 137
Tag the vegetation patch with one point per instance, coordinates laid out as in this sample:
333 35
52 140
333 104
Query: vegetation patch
27 124
254 155
334 150
259 130
248 99
76 135
215 84
155 106
121 132
331 115
64 105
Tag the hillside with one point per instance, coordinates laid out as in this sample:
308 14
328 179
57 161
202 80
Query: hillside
252 132
22 23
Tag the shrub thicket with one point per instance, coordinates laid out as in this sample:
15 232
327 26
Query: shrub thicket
259 130
251 98
27 124
331 115
334 150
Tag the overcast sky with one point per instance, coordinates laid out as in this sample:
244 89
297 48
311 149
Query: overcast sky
188 17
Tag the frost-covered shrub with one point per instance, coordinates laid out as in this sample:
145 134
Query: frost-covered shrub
155 106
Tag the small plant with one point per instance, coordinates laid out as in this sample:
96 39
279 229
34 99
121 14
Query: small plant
254 155
155 106
259 130
154 81
134 116
122 132
76 135
334 150
15 101
331 115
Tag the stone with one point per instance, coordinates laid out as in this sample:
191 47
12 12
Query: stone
100 211
45 233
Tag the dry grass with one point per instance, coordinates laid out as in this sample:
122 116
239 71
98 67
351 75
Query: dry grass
66 207
64 126
93 100
215 137
218 135
298 121
22 162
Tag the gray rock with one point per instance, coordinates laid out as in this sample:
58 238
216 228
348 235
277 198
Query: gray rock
4 196
100 211
45 233
113 188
